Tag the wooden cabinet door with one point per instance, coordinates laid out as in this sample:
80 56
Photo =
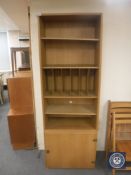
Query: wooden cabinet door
70 150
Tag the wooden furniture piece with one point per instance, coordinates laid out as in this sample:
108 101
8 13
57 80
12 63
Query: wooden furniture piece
25 60
70 47
117 108
121 136
119 129
21 114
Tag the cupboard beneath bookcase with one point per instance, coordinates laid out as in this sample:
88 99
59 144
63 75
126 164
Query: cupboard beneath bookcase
70 73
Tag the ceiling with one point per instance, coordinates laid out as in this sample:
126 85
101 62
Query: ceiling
14 15
5 22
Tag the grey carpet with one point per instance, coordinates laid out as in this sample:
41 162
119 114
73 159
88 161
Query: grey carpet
30 162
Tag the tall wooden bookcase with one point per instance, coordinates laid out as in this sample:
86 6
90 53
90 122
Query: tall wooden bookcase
70 47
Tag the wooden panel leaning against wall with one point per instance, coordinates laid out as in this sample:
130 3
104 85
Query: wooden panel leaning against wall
119 130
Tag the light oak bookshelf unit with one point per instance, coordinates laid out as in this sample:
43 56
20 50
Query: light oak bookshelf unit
70 47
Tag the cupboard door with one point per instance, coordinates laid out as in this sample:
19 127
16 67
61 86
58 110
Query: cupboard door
22 131
70 150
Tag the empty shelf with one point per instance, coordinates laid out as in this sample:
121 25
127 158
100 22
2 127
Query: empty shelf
70 123
71 109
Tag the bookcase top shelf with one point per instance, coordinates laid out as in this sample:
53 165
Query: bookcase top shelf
70 16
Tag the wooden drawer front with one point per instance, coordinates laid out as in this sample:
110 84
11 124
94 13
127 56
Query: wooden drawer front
70 150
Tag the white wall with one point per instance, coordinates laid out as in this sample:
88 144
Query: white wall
4 55
16 13
116 53
5 22
13 39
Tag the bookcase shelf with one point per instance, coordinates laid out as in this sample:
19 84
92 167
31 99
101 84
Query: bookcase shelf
70 66
69 109
71 39
70 73
70 123
74 94
72 53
